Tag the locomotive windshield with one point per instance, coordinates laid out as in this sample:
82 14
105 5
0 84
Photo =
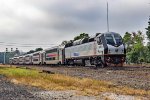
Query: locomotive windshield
118 39
113 39
109 38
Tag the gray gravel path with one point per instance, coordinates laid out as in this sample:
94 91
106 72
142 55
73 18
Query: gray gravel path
9 91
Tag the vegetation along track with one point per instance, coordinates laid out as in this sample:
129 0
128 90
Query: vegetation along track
133 76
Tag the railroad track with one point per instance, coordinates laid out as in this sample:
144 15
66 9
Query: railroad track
90 67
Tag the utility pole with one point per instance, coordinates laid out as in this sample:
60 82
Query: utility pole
107 18
4 57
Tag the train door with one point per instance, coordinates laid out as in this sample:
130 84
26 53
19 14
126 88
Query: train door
63 56
39 59
100 48
42 58
31 59
60 58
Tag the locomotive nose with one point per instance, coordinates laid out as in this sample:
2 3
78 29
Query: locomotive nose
116 50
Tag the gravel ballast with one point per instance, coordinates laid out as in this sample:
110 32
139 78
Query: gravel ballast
10 91
135 77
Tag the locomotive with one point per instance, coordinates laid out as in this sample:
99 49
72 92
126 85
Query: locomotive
103 49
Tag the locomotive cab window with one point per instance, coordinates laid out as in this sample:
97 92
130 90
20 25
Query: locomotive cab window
85 40
118 39
109 39
99 41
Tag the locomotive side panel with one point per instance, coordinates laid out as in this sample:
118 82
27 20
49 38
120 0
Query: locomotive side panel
83 50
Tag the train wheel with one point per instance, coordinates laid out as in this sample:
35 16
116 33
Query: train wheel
87 63
92 61
66 63
71 62
109 65
83 63
59 63
101 65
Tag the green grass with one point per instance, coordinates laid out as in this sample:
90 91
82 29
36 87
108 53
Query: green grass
84 86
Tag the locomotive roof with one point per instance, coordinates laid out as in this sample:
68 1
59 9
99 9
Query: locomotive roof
37 52
108 33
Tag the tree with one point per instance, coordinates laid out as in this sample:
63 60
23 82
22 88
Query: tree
148 30
138 37
31 51
64 43
137 50
128 40
148 44
81 36
38 49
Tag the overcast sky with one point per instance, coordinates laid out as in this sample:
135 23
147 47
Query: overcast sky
27 22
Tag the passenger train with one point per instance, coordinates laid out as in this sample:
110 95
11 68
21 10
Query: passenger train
103 49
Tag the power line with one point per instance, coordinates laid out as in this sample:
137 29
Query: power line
17 45
7 45
25 45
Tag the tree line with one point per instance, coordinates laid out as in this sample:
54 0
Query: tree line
36 50
137 50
